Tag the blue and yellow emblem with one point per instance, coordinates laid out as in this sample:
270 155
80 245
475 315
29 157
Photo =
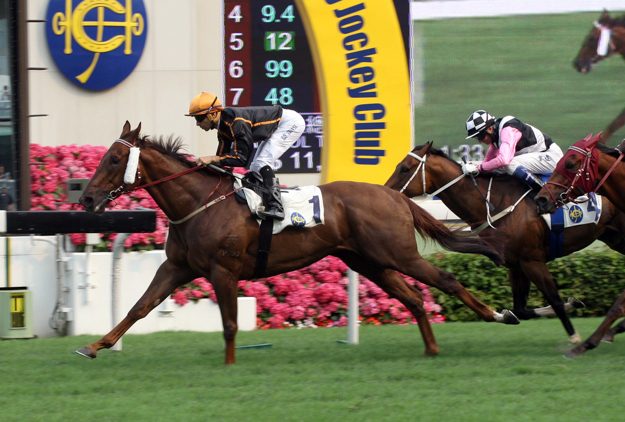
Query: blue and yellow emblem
576 214
96 44
298 220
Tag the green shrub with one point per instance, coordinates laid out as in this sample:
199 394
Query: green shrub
594 277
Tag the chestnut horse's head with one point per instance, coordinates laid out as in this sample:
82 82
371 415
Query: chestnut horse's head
575 174
598 45
108 181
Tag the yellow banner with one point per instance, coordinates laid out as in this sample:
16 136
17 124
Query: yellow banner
364 86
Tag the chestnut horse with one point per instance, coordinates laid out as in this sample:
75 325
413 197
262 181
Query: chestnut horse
589 166
370 227
606 38
523 231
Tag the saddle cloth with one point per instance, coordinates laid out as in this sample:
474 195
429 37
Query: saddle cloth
303 206
575 214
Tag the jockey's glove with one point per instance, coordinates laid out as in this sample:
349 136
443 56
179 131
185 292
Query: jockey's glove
470 169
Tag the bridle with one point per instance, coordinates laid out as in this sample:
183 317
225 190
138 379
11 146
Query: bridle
421 167
116 193
581 175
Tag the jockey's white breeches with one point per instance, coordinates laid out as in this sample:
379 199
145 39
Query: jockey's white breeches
537 162
289 130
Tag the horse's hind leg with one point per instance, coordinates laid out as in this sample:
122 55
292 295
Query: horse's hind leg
616 311
422 270
395 286
165 281
617 329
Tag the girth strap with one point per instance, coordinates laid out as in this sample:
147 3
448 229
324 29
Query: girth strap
264 244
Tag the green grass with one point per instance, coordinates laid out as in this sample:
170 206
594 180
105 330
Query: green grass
485 372
519 65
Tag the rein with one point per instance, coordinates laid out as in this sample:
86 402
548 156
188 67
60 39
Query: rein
489 219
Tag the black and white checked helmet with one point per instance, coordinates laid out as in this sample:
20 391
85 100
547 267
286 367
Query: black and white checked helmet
477 122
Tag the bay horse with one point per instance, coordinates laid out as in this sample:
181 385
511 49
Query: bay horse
606 39
589 166
370 227
524 232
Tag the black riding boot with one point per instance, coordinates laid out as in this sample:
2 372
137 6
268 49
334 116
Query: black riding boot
273 200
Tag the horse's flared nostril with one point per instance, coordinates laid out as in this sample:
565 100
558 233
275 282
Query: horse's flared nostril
86 201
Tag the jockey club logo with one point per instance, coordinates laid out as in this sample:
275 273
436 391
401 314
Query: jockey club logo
298 220
576 214
96 44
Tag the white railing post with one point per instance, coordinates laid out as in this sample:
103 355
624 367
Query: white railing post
352 310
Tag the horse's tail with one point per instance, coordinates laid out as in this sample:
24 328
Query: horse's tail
428 226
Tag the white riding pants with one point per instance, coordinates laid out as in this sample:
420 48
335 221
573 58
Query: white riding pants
289 130
537 162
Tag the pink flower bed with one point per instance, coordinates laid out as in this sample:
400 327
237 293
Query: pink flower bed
315 296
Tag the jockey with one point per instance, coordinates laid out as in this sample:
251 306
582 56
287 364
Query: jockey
238 128
515 147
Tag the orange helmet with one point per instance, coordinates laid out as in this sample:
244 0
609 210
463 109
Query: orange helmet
204 103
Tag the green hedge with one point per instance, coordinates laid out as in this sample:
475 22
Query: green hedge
596 277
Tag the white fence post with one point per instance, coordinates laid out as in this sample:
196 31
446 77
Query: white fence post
352 310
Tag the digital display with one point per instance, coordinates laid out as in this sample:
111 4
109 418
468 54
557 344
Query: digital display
268 62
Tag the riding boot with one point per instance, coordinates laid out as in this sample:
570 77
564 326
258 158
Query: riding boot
530 179
273 200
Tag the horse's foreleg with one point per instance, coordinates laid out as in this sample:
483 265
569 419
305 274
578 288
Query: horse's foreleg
395 286
614 126
427 273
540 275
165 281
520 292
226 290
616 311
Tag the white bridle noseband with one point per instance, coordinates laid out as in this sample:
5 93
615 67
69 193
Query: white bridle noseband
605 40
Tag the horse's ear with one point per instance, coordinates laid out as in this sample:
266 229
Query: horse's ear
593 142
427 147
605 16
134 135
601 140
126 129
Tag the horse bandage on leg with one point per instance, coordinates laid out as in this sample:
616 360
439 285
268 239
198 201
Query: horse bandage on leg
131 167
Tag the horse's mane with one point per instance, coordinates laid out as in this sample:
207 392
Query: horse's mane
170 146
608 150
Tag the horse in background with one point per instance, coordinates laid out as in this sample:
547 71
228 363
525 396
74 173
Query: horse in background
370 227
427 170
606 38
586 168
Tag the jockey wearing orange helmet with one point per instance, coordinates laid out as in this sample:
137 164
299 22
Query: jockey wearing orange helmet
238 128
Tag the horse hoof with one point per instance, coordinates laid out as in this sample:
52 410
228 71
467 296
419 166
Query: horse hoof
86 352
509 318
575 338
577 304
608 338
574 353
